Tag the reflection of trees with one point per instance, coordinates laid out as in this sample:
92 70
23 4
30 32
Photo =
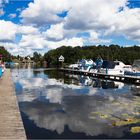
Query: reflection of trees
135 90
82 80
95 82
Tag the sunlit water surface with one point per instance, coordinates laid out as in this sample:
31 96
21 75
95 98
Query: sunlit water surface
54 105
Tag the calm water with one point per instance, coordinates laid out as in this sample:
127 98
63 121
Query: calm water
54 105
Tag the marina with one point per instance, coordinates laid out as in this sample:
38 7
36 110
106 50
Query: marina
69 69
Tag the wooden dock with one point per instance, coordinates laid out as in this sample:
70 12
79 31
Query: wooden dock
44 69
121 78
11 126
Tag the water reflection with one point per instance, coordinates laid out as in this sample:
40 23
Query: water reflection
135 89
53 100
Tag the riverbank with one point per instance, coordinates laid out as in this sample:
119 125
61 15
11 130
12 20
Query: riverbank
11 126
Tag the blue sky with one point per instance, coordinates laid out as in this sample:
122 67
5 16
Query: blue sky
40 25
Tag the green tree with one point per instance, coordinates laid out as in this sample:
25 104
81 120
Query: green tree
6 56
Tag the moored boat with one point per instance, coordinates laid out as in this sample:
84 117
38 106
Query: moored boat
135 69
102 66
115 67
87 65
132 73
0 71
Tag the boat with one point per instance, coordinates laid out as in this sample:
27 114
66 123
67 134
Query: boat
102 66
114 67
132 73
3 68
0 71
87 65
84 65
74 66
135 69
136 65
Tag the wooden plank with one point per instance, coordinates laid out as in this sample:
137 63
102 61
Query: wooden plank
11 126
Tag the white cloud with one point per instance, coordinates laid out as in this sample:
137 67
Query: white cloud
83 15
97 14
13 48
56 32
19 9
95 38
32 39
66 42
128 23
98 18
43 12
94 35
12 15
27 30
8 30
35 42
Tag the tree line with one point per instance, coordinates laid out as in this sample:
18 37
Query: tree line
4 54
73 54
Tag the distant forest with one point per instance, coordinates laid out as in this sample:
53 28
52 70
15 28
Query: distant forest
112 52
73 54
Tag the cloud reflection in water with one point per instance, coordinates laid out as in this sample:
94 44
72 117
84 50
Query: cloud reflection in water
52 105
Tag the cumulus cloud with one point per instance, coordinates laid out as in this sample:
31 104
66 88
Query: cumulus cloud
35 42
30 38
39 13
128 23
46 25
56 32
83 15
10 34
14 29
95 38
13 48
66 42
25 30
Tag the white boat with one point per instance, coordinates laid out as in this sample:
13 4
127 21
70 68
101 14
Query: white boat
87 65
135 69
115 68
100 66
74 66
132 73
84 65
